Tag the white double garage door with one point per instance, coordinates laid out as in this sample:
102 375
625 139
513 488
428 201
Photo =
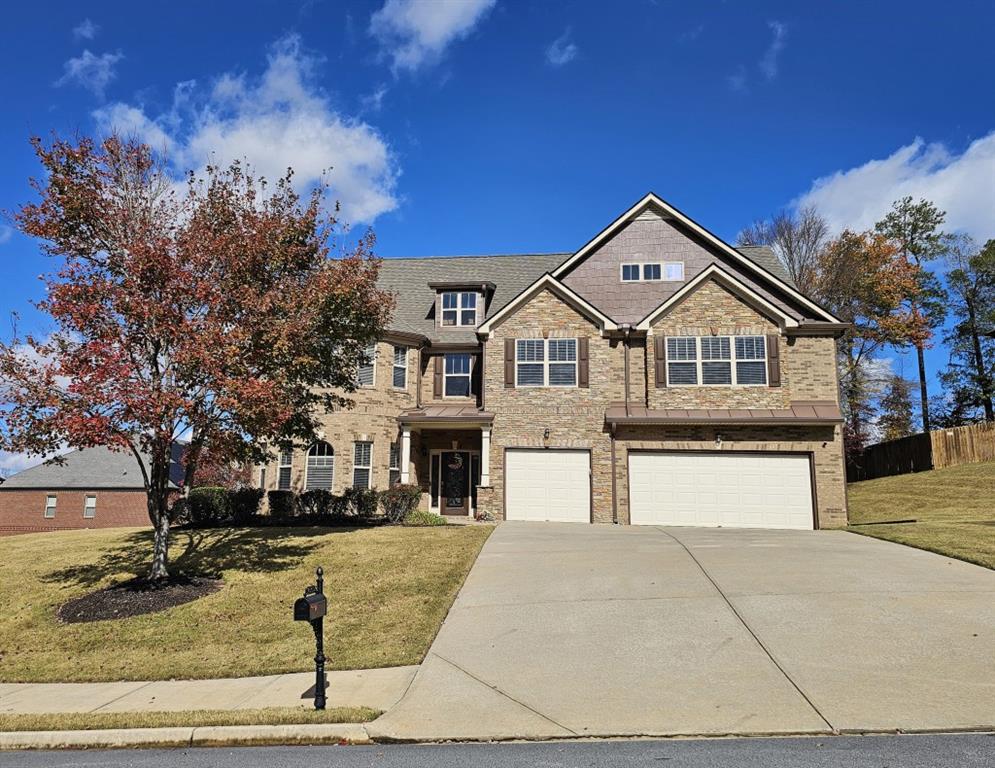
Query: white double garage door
689 488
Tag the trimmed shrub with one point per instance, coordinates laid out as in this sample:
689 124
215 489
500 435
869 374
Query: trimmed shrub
419 518
244 504
209 506
362 502
282 504
338 507
315 503
400 501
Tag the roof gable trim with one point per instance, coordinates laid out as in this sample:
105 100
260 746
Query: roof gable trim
669 212
548 282
728 281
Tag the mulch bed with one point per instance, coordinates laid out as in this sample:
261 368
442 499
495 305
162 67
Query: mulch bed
135 598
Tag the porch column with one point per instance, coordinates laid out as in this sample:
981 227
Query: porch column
405 454
485 456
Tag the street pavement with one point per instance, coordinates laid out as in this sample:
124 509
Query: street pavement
926 751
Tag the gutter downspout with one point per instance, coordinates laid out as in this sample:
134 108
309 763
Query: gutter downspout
626 329
611 434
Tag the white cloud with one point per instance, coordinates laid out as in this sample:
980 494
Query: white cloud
86 30
737 81
769 64
5 233
278 120
562 50
90 71
963 185
417 32
373 102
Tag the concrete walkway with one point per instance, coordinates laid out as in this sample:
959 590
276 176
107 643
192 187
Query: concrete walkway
374 688
570 630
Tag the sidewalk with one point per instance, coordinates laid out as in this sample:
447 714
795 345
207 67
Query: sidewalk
378 689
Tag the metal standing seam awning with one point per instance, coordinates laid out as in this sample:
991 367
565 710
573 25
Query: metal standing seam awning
451 416
798 413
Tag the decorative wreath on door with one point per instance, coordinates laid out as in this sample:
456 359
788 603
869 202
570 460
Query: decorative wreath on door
456 462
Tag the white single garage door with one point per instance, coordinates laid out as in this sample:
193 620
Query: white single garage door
732 490
549 484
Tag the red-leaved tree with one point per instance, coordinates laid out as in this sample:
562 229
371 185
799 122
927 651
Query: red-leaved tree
215 309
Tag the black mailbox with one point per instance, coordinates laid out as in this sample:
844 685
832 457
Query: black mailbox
310 607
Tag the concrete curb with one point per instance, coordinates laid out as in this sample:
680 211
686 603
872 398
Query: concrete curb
229 735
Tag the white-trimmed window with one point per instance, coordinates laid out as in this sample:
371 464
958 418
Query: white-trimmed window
457 372
51 500
320 467
652 271
394 470
283 472
400 376
362 463
716 361
89 506
546 362
366 374
459 308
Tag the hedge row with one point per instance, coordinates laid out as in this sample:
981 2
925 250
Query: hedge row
210 506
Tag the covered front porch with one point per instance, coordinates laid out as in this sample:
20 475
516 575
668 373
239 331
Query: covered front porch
446 450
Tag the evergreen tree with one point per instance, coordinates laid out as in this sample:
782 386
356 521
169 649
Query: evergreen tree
914 227
970 375
895 420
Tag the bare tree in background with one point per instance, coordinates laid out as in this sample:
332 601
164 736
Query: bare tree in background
797 238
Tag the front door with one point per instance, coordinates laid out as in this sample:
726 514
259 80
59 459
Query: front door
455 483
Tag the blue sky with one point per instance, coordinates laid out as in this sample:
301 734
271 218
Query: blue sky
490 126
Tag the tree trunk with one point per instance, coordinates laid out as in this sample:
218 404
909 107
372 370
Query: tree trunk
984 381
923 394
158 506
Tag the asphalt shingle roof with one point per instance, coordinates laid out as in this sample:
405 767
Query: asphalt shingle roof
89 468
409 278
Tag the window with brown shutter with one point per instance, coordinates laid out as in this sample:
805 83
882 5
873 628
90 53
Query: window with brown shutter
509 363
659 361
773 360
583 376
437 376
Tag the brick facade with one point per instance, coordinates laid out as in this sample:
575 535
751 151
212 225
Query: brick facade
23 510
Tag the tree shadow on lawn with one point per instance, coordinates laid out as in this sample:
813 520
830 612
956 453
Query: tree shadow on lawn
200 551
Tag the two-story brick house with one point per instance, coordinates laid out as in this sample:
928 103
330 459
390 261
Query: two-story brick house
655 376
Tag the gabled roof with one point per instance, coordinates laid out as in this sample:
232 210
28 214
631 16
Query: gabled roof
410 279
549 283
733 284
91 468
652 201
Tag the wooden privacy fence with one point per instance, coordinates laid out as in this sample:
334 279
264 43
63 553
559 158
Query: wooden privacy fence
916 453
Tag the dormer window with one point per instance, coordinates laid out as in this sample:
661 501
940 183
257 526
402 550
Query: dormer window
459 308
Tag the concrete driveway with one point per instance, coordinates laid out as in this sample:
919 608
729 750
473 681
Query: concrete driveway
566 630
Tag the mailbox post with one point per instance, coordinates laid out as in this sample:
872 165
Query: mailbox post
312 608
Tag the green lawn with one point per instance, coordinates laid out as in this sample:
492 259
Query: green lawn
389 589
954 509
90 721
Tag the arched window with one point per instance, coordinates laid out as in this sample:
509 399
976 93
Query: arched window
320 467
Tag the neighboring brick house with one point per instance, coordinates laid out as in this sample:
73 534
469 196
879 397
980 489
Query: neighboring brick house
656 376
89 488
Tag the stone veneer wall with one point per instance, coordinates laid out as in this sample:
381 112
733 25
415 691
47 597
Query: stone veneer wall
373 417
574 416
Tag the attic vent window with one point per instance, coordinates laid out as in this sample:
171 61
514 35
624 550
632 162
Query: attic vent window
652 272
